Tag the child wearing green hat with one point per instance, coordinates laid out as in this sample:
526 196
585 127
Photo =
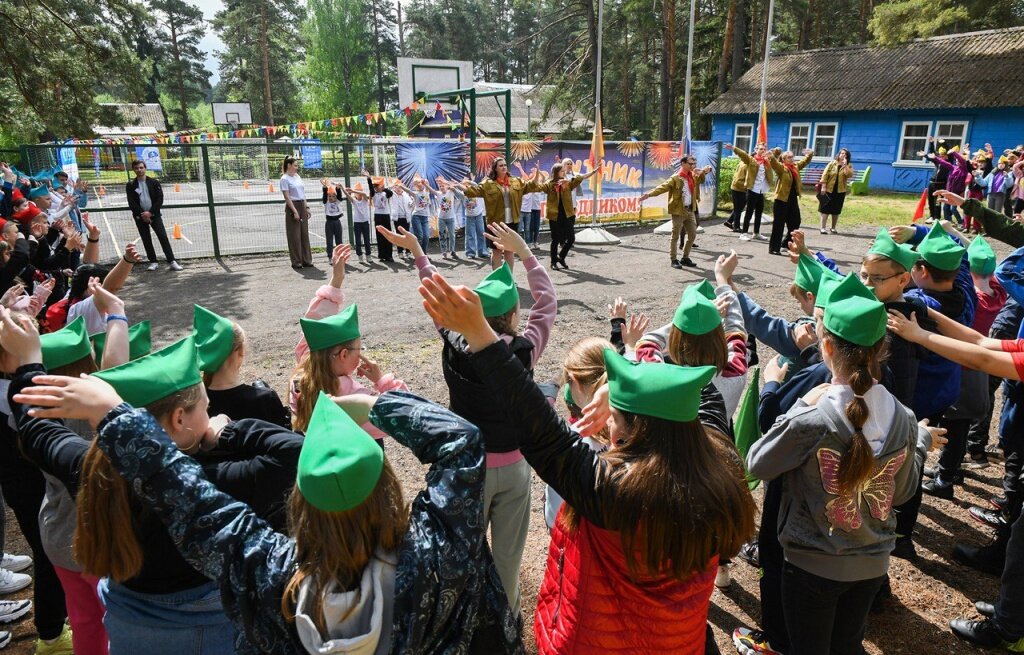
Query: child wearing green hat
507 484
222 349
662 471
845 453
362 571
330 353
154 599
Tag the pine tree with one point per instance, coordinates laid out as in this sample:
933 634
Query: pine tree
182 71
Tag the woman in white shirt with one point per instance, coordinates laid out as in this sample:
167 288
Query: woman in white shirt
296 215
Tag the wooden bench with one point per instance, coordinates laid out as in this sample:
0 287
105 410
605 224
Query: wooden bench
858 184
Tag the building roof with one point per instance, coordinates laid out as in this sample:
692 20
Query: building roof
490 118
976 70
137 119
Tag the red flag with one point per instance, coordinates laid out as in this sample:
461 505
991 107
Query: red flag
921 204
762 125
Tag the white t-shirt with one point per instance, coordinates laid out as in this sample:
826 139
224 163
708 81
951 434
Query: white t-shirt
761 181
380 203
293 185
474 206
421 203
360 211
446 209
400 205
94 322
333 208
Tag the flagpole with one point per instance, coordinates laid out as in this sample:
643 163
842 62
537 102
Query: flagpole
689 73
764 67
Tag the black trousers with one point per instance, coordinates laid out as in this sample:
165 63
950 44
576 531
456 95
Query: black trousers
785 216
906 514
978 434
952 454
404 223
146 230
826 616
563 236
934 206
755 207
739 202
383 245
23 489
769 552
1013 482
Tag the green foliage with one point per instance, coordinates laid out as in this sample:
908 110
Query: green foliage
338 75
180 62
726 171
905 20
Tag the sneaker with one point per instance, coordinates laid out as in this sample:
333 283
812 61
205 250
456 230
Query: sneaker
990 517
752 642
744 236
933 472
938 489
175 266
11 582
984 634
976 462
723 580
999 502
444 255
994 453
12 610
823 231
60 646
676 264
760 237
454 255
749 554
700 230
987 559
16 563
5 638
686 261
905 548
833 231
985 609
152 266
930 221
561 260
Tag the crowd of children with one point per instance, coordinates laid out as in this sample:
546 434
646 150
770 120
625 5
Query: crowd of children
171 507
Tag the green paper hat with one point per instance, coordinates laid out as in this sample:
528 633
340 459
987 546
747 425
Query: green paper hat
498 292
939 249
65 346
663 391
156 376
809 272
339 464
825 288
331 331
696 314
707 289
37 192
215 338
981 256
854 313
139 342
903 255
567 395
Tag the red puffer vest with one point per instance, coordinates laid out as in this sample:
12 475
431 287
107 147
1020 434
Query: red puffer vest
588 603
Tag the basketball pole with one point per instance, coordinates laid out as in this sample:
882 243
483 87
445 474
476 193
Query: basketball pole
595 235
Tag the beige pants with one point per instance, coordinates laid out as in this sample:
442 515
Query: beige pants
297 233
507 510
685 222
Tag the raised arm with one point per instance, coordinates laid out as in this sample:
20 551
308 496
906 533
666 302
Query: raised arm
328 299
1000 364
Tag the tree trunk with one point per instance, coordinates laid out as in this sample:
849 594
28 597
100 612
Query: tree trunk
592 32
668 60
401 31
268 101
626 104
380 65
866 8
176 53
806 25
739 45
723 61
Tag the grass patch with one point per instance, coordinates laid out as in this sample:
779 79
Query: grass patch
878 209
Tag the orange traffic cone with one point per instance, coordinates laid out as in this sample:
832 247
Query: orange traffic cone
245 184
177 188
176 234
102 191
270 187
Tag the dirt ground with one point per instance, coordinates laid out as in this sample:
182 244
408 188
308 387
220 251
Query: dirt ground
267 297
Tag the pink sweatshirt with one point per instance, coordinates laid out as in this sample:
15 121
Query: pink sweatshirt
327 302
537 330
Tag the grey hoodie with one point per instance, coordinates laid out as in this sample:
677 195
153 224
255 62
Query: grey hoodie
358 622
825 533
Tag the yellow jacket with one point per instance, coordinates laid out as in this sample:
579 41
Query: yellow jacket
494 202
785 179
674 187
746 173
828 176
551 208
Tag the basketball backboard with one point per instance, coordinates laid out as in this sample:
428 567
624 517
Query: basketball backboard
419 76
232 113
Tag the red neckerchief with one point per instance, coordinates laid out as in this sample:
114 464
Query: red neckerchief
688 176
760 159
792 170
505 183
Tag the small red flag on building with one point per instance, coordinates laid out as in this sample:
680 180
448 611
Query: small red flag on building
921 204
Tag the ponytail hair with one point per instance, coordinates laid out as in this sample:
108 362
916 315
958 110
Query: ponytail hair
861 365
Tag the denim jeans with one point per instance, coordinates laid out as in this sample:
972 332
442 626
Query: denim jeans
948 211
186 622
421 228
361 231
530 225
475 240
446 234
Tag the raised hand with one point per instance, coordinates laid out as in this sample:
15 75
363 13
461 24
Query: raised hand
20 337
94 232
618 310
131 255
635 328
596 414
728 146
339 258
106 302
725 266
457 309
901 233
949 198
403 238
58 396
369 369
506 239
12 295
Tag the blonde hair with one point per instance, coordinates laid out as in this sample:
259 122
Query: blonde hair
313 375
585 365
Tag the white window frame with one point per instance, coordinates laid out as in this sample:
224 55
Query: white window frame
736 136
835 141
798 154
903 136
963 139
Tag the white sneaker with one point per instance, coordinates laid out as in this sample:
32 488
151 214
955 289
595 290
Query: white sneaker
700 230
11 610
744 237
11 582
760 237
930 221
175 266
723 579
152 266
16 563
361 260
5 638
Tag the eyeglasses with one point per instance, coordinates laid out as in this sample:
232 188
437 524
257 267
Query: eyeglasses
875 279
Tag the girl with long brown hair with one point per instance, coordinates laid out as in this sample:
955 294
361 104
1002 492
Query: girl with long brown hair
633 554
330 361
849 452
503 197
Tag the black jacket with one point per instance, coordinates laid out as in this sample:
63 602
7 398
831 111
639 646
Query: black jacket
156 195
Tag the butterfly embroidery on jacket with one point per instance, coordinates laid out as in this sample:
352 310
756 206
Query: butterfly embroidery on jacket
877 491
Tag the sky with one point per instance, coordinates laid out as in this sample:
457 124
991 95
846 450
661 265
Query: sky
211 41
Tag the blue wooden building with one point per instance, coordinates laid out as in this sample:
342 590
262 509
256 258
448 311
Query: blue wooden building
884 103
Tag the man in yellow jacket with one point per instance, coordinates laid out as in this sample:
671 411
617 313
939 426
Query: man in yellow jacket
682 189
